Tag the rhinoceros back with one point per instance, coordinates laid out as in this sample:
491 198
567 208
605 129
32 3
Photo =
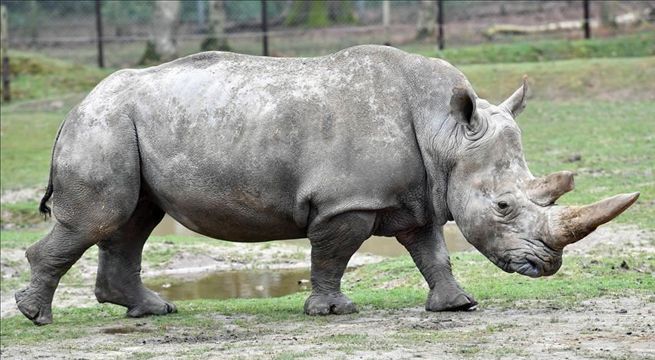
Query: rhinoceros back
249 148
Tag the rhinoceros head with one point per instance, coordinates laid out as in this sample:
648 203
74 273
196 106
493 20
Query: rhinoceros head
502 209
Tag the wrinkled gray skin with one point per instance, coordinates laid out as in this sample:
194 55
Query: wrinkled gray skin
367 141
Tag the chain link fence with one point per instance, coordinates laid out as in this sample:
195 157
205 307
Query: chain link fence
142 32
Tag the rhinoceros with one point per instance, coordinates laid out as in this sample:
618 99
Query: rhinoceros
368 141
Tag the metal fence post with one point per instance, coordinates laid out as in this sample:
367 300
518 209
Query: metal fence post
264 29
200 13
4 39
386 21
101 55
440 24
587 22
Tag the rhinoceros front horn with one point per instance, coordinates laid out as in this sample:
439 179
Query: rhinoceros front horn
573 223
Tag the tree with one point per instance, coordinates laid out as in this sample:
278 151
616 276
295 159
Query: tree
427 18
216 39
320 13
163 43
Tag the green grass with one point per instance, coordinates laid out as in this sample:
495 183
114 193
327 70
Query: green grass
616 142
26 144
601 109
642 44
581 278
23 214
38 77
19 239
615 80
614 138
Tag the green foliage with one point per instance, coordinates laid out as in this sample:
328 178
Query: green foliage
344 13
320 13
150 55
38 77
213 43
547 50
623 79
121 13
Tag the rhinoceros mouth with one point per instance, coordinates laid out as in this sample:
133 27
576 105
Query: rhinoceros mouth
528 268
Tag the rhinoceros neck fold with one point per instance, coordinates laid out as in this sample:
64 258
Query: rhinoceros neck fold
431 83
437 138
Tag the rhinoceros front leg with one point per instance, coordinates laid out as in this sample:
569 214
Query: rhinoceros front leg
428 250
333 244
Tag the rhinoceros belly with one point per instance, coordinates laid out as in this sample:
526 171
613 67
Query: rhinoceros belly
224 196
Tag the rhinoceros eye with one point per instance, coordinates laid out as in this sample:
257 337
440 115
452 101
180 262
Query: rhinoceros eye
503 207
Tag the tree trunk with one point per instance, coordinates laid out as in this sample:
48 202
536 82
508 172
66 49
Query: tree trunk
216 39
427 18
165 21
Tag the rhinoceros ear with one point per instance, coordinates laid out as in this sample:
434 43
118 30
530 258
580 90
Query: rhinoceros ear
516 103
462 107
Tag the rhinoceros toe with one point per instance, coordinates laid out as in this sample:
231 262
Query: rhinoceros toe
450 301
326 304
29 303
151 304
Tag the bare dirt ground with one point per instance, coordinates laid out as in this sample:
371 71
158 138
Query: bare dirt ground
188 261
600 328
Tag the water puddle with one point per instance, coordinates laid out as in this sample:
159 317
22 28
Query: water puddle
272 283
245 284
376 245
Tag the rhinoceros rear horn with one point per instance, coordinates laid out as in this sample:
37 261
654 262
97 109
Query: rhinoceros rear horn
574 223
546 190
517 101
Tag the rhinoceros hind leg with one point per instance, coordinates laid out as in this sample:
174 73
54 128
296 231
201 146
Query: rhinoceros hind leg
333 244
95 178
50 259
428 250
119 266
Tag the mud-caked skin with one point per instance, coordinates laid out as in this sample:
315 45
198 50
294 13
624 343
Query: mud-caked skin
368 141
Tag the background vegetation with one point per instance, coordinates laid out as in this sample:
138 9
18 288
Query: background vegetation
591 116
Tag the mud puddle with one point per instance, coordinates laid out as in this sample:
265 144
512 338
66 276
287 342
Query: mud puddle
246 284
272 283
376 245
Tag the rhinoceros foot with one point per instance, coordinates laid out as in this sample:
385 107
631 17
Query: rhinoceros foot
450 299
326 304
31 304
151 304
146 303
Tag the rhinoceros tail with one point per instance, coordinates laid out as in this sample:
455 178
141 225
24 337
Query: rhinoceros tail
44 209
